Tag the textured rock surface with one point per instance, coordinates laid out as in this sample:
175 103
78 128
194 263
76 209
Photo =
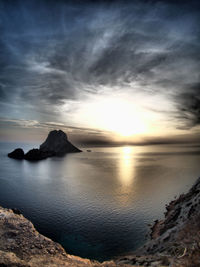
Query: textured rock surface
58 144
179 212
177 236
18 153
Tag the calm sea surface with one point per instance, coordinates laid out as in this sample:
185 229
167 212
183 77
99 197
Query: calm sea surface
98 204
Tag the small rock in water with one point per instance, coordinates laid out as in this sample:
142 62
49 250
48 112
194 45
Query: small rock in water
18 153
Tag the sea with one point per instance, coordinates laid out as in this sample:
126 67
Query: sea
98 204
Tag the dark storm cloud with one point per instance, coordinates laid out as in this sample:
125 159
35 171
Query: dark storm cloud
52 52
189 106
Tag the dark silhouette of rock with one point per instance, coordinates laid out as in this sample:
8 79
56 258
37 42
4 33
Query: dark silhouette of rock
18 153
57 143
36 154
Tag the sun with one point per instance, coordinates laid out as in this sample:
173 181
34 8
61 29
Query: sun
122 117
129 125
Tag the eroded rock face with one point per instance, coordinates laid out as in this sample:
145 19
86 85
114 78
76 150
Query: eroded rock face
178 234
178 211
58 144
18 153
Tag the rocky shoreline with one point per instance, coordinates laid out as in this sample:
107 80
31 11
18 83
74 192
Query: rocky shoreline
174 241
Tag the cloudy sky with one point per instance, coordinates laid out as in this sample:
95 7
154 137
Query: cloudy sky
100 70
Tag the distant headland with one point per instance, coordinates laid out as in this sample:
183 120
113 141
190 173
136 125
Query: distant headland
56 144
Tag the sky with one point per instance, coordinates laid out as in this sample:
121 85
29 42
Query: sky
102 71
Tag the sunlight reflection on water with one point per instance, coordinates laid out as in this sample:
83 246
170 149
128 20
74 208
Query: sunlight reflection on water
92 203
126 167
126 174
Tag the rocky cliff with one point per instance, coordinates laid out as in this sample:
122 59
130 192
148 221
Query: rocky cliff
176 238
174 241
178 234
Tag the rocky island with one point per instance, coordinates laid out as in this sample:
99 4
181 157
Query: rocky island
173 241
56 144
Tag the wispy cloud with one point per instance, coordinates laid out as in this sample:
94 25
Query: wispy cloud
56 54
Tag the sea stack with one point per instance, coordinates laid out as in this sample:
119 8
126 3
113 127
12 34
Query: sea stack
56 144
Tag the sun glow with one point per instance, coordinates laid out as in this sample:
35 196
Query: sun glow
121 116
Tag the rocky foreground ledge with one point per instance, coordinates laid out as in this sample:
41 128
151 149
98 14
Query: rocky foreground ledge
174 241
21 245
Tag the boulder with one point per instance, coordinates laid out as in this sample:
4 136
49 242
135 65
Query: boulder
18 153
58 144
